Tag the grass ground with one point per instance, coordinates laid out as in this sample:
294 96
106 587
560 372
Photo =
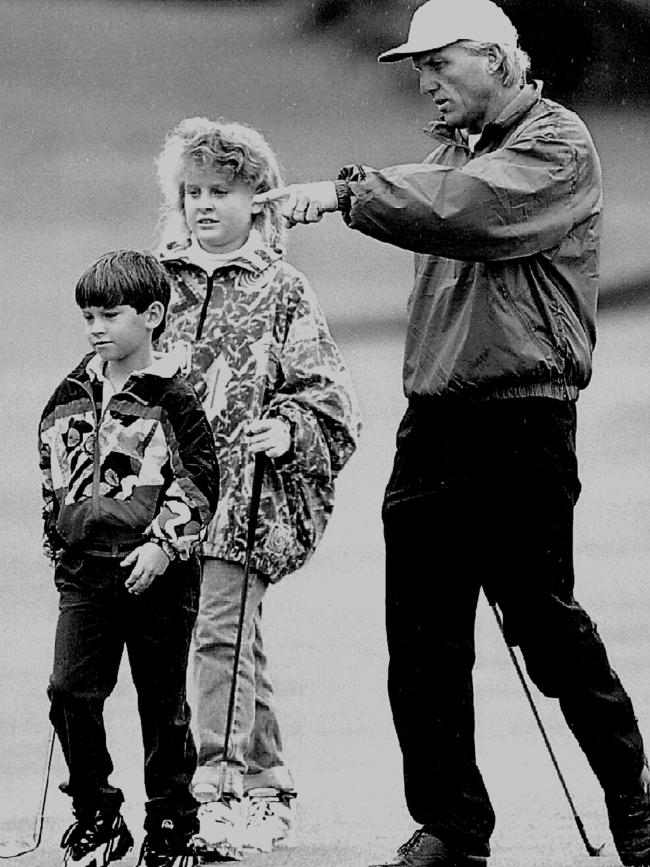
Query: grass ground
89 90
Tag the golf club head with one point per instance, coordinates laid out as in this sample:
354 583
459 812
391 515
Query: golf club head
14 848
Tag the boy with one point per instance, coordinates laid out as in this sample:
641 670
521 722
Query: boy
130 479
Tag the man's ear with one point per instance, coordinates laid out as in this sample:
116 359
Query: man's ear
494 59
154 315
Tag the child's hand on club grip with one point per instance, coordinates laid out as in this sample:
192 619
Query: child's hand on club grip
269 435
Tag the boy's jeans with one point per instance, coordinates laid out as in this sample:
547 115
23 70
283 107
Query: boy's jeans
255 746
482 495
97 619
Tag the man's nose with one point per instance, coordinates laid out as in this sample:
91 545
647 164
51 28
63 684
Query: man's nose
428 83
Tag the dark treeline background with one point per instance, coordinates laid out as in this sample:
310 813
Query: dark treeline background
593 51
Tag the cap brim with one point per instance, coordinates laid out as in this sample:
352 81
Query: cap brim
408 49
394 54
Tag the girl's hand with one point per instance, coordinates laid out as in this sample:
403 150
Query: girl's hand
148 561
269 435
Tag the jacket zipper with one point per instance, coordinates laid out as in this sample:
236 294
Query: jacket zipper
95 495
98 421
204 309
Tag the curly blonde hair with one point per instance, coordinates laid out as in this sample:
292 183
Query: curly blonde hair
222 145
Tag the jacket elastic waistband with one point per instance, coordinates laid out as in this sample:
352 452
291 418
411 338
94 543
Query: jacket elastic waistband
555 390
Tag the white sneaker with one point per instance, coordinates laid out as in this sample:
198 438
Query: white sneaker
221 833
271 820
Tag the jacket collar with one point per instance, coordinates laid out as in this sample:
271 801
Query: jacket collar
163 366
255 256
91 367
509 117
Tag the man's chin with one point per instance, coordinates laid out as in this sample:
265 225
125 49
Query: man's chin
449 119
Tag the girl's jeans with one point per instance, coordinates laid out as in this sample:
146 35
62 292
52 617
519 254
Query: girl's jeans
255 746
482 496
98 618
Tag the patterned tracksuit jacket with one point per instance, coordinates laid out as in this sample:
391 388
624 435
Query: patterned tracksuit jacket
143 468
255 344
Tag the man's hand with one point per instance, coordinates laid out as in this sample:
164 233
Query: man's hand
302 203
269 435
148 561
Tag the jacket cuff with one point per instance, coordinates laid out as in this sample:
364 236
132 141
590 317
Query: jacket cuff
166 548
343 196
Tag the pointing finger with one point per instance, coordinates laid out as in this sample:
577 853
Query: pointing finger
272 195
313 214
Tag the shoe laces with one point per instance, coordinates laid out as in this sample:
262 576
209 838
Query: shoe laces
274 807
85 835
412 843
165 855
259 810
220 811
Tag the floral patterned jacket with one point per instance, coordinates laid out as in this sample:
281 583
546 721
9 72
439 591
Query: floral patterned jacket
255 344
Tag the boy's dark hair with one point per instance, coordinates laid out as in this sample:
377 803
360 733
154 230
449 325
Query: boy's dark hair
125 277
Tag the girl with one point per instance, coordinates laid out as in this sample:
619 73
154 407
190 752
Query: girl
259 353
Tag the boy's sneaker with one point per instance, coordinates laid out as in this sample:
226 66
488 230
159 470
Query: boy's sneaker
426 850
167 847
221 833
96 840
271 820
629 822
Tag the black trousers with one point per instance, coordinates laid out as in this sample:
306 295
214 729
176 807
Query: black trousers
97 620
482 496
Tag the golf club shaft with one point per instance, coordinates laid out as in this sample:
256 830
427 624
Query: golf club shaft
256 490
38 822
591 849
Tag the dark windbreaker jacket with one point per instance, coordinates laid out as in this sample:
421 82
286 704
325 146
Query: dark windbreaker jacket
507 253
144 467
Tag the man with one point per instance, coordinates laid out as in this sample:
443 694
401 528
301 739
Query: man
504 218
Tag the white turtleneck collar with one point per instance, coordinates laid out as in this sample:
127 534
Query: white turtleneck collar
210 262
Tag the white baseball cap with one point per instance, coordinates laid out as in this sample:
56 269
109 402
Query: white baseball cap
440 22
